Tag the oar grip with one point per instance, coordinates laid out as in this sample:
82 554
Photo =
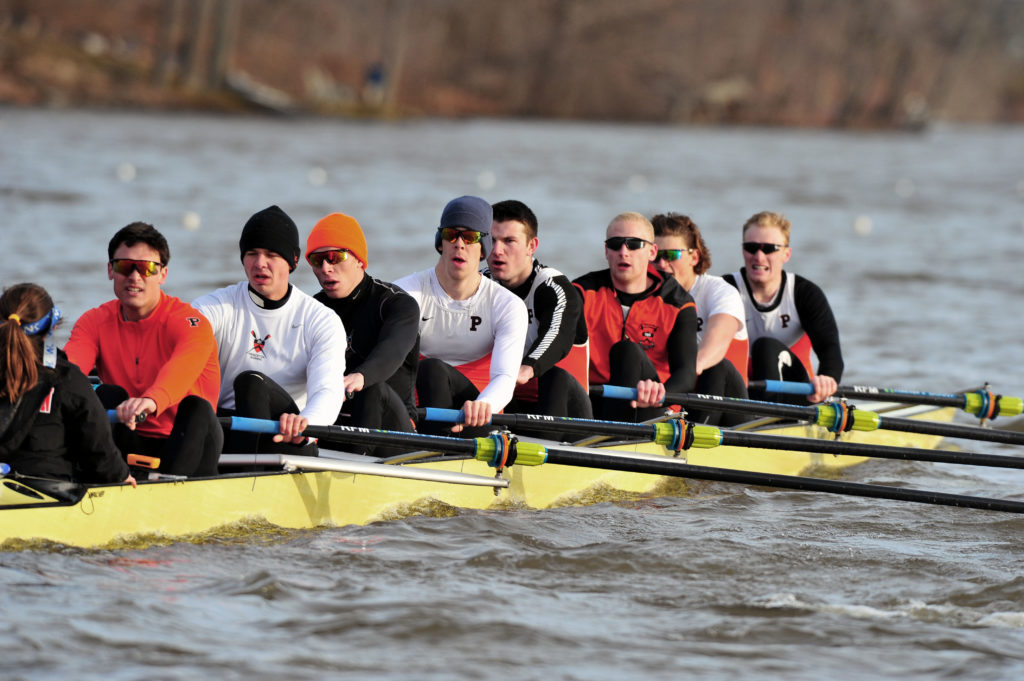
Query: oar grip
443 415
786 387
251 425
618 392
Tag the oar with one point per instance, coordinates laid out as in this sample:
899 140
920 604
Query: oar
836 417
677 435
981 403
501 450
293 462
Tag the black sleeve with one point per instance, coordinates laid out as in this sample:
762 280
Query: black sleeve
820 324
557 306
400 320
87 429
682 352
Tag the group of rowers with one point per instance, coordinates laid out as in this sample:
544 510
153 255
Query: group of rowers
516 336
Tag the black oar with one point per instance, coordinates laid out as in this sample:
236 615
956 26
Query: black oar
500 451
982 403
836 417
676 434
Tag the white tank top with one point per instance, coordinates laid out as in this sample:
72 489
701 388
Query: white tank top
780 322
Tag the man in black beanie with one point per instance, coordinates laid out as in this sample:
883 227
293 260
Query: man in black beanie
281 352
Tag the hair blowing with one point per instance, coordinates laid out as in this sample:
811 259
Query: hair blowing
676 224
20 354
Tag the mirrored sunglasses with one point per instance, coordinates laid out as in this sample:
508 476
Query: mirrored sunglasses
671 254
755 246
633 243
146 268
332 257
468 236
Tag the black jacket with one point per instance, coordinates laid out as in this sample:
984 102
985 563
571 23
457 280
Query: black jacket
382 323
60 430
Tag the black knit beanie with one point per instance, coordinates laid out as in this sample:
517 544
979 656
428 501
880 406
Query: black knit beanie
272 229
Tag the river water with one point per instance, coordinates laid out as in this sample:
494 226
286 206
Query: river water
914 237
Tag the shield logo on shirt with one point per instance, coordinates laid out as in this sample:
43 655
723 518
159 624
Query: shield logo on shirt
258 343
647 332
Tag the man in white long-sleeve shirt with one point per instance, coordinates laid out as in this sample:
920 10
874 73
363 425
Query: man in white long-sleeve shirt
472 330
281 352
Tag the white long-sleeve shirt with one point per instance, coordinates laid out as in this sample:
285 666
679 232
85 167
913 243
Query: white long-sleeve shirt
491 321
301 346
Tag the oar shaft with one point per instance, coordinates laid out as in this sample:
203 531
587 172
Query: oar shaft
714 402
1006 437
674 468
549 423
862 420
838 447
979 402
799 388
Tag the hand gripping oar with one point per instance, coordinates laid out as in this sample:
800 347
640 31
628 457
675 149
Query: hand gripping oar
677 435
533 454
836 417
982 403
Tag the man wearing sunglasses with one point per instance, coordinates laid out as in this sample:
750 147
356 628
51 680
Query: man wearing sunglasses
281 352
382 322
642 324
472 331
787 315
156 357
554 366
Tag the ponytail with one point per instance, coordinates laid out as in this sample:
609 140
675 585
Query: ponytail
22 304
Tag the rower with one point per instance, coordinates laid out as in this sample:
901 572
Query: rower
721 328
156 358
279 348
52 425
555 359
382 322
787 315
642 324
472 330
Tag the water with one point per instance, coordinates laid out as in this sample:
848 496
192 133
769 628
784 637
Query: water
916 239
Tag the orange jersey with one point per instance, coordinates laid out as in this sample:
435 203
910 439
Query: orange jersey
168 355
663 321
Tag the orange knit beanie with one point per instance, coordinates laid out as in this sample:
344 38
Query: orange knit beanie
339 231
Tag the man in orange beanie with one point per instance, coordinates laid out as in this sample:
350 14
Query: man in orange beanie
382 322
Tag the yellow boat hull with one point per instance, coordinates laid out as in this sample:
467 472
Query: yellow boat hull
119 516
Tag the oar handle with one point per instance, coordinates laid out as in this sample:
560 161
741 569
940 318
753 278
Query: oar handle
443 415
618 392
784 387
112 415
251 425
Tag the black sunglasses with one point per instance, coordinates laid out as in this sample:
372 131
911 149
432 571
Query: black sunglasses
755 246
633 243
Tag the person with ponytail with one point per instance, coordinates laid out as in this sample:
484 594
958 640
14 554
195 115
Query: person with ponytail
52 425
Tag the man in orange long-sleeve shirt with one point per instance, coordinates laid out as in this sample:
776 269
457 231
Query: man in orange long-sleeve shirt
156 356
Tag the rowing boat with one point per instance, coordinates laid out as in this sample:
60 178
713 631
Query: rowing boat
341 490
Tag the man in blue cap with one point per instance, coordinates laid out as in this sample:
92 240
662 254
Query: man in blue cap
472 330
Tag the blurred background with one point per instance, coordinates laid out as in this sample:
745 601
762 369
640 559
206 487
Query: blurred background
868 64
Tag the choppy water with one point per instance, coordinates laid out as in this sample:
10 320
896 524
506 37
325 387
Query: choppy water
917 239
